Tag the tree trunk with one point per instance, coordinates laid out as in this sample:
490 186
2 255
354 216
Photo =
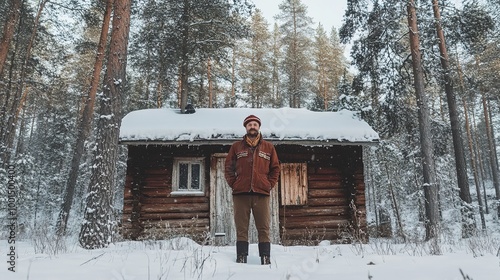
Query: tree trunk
159 88
491 149
468 223
492 133
472 149
370 189
160 78
210 97
98 227
184 56
430 186
233 81
478 151
395 205
474 167
85 125
10 130
8 31
19 148
295 90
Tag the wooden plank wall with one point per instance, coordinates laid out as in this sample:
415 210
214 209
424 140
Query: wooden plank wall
335 179
150 211
222 214
294 177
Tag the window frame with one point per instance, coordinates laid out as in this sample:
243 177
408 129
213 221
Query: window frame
176 173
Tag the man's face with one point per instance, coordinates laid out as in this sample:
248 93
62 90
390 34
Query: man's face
252 128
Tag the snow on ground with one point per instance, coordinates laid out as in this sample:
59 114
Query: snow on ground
182 258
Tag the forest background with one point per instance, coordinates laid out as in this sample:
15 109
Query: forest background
69 70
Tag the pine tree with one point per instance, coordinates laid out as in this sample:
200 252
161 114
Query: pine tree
84 125
8 131
98 227
381 58
8 31
255 65
191 32
276 60
296 29
329 66
44 114
476 24
468 223
153 53
432 223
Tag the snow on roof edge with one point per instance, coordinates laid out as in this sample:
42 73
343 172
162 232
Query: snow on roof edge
226 124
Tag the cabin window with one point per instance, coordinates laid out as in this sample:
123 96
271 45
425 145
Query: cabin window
293 183
187 176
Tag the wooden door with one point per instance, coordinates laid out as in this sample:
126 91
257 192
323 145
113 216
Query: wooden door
221 208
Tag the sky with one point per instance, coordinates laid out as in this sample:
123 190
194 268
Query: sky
328 12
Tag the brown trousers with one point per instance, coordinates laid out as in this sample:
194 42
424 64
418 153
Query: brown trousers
259 206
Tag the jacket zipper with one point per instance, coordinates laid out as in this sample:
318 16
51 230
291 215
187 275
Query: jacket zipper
253 163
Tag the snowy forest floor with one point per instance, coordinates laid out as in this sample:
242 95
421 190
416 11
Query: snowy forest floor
181 258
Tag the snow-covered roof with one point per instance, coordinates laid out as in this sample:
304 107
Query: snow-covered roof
286 125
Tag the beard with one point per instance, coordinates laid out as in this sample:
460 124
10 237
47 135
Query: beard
252 133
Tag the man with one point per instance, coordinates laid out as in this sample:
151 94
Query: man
252 170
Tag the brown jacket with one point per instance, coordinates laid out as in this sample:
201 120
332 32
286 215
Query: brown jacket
252 169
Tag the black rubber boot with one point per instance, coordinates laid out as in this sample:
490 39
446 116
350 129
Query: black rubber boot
265 253
241 251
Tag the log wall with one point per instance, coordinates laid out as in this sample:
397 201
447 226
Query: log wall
150 211
335 207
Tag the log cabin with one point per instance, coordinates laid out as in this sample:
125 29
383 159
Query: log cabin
175 174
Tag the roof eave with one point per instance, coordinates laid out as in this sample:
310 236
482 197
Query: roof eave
302 142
